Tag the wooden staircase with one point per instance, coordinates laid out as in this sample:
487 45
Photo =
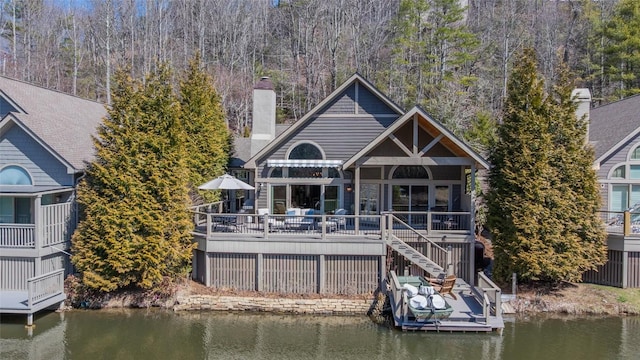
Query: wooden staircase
414 256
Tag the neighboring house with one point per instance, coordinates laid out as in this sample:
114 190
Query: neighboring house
356 154
614 132
45 140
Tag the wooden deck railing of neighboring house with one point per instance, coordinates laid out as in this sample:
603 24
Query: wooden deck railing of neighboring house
45 286
17 235
621 222
58 223
54 224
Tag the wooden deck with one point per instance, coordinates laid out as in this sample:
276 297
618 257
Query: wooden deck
469 315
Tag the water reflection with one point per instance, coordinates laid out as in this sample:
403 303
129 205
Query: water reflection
155 334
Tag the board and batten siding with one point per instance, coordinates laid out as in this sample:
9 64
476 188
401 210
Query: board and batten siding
633 269
18 148
350 275
290 274
293 274
54 262
233 271
14 272
610 274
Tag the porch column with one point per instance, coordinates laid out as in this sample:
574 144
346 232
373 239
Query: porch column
38 233
472 223
356 199
472 178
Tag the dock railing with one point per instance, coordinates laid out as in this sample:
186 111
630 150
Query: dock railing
44 286
401 302
489 295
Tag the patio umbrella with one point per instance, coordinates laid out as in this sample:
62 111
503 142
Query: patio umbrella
225 182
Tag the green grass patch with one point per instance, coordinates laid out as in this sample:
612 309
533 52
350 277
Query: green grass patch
630 297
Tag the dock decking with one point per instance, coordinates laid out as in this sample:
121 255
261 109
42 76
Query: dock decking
469 315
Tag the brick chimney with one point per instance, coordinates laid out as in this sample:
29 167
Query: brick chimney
264 115
582 97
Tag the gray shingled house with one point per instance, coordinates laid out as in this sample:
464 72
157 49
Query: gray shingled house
335 181
45 139
614 132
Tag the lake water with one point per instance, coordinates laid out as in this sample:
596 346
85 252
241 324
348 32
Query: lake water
157 334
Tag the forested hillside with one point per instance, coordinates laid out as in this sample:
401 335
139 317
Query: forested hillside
450 56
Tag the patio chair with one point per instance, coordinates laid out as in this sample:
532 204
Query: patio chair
305 220
444 285
273 222
339 219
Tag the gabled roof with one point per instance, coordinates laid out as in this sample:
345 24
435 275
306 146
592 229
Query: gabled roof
251 163
612 125
455 145
62 123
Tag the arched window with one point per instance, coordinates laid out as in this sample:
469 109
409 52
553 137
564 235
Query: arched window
635 155
306 151
619 172
14 175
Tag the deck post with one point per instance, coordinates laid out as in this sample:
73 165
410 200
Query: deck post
627 223
29 319
39 230
449 261
265 225
209 224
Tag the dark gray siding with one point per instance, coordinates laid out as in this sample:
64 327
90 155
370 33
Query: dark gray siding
340 138
5 107
342 104
371 104
18 148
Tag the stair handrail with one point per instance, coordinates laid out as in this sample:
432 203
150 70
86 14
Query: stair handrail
448 258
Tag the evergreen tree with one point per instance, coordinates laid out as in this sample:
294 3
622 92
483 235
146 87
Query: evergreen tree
430 51
135 228
622 50
543 198
208 140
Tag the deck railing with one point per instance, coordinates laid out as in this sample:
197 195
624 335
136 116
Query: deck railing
58 223
489 295
265 225
45 286
621 222
18 236
437 221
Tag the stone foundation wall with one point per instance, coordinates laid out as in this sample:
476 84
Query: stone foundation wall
276 305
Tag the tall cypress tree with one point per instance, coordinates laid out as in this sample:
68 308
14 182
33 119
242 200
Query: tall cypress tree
543 198
135 228
208 140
